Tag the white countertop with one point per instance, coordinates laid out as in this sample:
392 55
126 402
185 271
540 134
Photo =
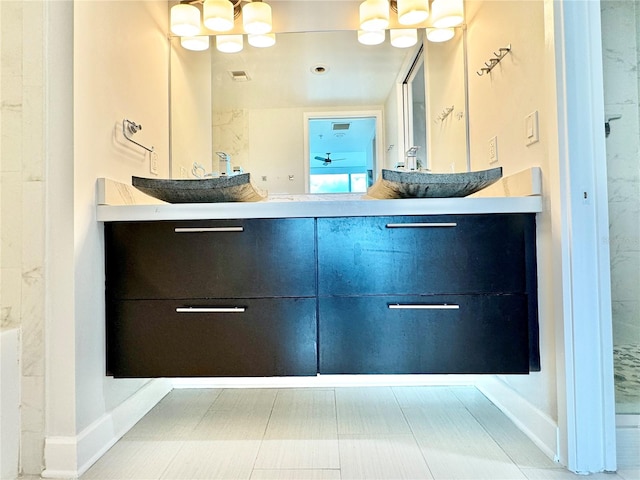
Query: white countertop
519 193
334 206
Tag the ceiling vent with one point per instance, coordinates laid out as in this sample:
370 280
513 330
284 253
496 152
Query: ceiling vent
239 76
340 127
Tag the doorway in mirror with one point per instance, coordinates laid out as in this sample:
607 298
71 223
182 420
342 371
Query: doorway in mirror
341 150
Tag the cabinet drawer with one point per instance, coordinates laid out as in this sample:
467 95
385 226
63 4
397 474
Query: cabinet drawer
211 259
423 334
423 255
163 338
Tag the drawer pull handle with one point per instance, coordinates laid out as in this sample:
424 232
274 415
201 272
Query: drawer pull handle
207 229
422 225
210 309
423 306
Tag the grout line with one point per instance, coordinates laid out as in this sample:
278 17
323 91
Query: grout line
413 433
264 432
335 409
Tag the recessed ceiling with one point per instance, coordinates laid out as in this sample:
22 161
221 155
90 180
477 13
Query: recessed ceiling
282 77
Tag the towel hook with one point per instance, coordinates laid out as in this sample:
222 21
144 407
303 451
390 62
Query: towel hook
493 61
132 128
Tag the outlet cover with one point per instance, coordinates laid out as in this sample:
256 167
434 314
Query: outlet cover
153 163
493 149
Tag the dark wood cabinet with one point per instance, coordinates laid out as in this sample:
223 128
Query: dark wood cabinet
488 262
423 334
421 255
331 295
167 281
235 337
211 259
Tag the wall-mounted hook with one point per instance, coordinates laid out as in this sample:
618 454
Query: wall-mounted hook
133 127
493 61
445 113
502 51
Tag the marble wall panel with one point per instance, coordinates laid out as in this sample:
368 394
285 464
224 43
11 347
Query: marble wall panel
22 213
620 23
231 135
11 297
11 233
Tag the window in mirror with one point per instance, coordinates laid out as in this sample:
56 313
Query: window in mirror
342 153
415 107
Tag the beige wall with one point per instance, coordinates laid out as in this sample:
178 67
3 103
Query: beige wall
445 89
190 119
120 71
522 82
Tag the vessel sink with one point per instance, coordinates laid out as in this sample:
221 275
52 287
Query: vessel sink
401 184
233 188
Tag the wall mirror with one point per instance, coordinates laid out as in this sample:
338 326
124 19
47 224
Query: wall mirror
280 112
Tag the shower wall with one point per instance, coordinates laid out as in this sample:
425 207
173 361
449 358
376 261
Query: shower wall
621 51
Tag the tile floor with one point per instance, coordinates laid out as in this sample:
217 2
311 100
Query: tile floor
371 433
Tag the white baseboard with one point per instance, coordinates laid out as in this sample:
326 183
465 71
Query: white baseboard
70 456
535 424
9 403
628 441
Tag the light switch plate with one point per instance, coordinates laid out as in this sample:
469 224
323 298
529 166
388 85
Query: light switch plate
531 131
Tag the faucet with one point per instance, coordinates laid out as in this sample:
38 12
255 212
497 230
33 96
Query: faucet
411 162
224 164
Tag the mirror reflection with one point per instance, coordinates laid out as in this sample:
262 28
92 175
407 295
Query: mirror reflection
319 111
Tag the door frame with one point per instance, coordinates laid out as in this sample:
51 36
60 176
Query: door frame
326 115
586 399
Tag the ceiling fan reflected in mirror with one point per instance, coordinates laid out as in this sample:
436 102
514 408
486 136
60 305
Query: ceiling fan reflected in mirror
327 160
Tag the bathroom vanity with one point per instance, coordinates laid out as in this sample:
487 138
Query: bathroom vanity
322 286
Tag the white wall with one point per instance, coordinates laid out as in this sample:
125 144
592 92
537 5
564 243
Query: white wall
190 119
523 82
393 142
445 89
115 56
128 79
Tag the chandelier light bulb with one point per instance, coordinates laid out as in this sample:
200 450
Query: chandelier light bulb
447 13
371 37
262 40
404 37
374 14
185 20
440 34
198 43
229 43
256 18
412 12
218 15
